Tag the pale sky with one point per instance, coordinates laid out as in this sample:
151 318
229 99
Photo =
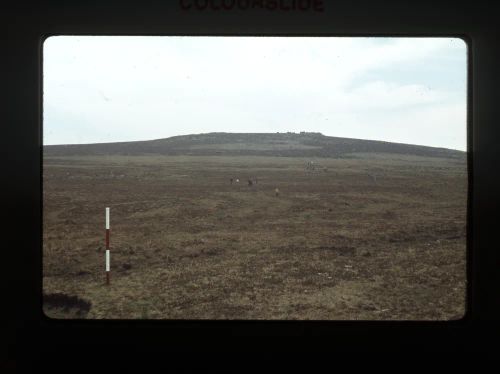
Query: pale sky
125 88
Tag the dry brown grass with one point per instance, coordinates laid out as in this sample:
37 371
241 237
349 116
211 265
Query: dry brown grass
186 244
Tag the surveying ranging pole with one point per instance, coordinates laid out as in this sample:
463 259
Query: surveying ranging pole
107 246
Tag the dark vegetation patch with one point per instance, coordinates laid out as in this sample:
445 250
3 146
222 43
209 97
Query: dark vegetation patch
60 305
340 250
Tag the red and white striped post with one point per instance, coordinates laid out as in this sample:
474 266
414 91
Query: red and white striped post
107 246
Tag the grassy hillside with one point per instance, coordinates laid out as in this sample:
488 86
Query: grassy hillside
248 144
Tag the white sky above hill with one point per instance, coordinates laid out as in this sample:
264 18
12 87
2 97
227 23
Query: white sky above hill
119 88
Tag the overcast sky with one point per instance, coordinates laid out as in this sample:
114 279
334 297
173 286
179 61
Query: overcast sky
119 88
